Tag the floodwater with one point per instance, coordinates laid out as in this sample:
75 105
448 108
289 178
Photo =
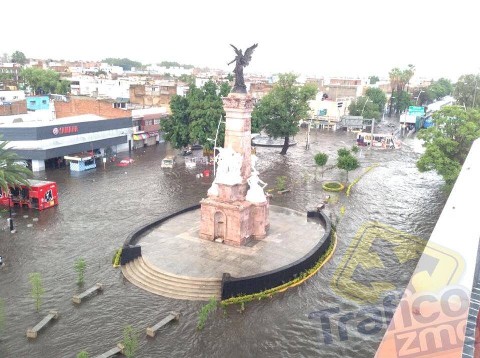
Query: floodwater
98 209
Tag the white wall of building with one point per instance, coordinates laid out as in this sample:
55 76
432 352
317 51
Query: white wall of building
11 96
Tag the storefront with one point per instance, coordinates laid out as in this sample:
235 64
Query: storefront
40 141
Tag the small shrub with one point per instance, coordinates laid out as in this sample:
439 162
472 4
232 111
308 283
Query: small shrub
130 341
82 354
205 311
281 183
37 289
80 266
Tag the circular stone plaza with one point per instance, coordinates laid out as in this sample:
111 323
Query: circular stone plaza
233 243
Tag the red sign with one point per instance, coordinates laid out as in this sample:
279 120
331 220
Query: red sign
65 130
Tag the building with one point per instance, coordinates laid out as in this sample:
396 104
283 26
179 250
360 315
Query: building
44 143
146 126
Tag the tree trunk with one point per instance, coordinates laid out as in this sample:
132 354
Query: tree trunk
285 145
391 103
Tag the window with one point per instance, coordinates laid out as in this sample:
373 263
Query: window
44 101
32 103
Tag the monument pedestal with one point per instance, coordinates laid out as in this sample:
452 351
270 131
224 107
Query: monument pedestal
225 214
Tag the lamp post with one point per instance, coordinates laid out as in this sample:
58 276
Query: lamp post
10 219
215 145
475 91
368 99
416 102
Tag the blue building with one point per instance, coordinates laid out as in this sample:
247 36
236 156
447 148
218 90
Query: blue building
35 103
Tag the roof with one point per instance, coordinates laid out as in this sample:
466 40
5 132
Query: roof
56 122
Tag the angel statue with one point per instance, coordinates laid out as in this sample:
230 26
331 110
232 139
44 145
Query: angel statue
241 61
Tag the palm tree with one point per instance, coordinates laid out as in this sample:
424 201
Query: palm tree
11 174
395 75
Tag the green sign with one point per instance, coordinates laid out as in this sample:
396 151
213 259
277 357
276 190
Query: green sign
416 109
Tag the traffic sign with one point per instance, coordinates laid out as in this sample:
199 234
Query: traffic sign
416 109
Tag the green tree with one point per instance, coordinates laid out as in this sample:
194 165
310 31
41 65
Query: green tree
402 101
320 160
19 57
346 161
37 289
399 80
195 118
282 109
176 125
363 106
438 89
80 266
466 90
205 110
378 97
373 79
124 63
43 81
11 174
448 142
82 354
188 79
130 341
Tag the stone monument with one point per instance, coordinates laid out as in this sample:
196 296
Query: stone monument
236 209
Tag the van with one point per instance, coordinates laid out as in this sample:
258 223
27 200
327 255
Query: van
168 162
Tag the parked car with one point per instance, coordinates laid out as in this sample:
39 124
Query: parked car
124 162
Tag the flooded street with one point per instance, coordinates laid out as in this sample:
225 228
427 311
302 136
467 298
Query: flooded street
99 208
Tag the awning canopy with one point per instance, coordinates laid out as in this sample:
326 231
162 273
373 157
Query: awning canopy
140 136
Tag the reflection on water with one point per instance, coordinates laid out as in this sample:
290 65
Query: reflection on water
98 209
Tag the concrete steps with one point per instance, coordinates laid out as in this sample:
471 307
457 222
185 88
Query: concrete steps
145 275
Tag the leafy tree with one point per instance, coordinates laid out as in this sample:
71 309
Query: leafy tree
439 89
176 125
448 142
362 106
130 341
205 109
195 118
373 79
19 57
82 354
282 109
188 79
44 81
402 101
80 266
399 79
124 63
466 90
320 160
347 162
169 64
37 289
11 174
377 96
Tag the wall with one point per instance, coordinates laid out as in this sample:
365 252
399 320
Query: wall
232 287
18 107
78 106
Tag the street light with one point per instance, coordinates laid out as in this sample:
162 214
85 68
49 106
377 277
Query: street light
475 91
10 219
368 99
418 96
215 144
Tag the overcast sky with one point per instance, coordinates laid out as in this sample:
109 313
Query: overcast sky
324 38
